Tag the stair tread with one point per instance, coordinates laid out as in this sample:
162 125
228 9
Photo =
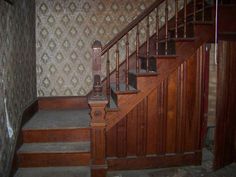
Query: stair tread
82 171
192 22
179 39
159 56
122 88
59 147
58 119
143 72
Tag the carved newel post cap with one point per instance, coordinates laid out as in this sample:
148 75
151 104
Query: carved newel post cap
97 44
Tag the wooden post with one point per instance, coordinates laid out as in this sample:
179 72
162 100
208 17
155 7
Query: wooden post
97 102
98 140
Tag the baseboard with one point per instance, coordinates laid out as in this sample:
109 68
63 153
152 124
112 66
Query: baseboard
26 116
157 161
73 102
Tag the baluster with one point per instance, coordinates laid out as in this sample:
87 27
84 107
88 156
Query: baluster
157 31
117 67
137 49
108 78
194 10
203 10
148 44
166 28
185 20
127 62
176 18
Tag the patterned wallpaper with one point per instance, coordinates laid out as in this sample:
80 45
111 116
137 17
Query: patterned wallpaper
17 72
65 31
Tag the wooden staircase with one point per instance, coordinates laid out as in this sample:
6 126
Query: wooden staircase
57 139
150 112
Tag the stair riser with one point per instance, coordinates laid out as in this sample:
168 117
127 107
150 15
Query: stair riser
152 64
114 97
170 48
53 159
66 135
132 80
189 32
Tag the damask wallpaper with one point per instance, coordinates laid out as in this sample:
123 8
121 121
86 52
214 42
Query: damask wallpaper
17 72
65 31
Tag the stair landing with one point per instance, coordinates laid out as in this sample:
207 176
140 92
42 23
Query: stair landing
58 119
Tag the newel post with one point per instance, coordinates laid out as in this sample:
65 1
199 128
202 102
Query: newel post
97 102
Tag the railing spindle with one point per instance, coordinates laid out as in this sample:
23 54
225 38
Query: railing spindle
185 20
176 18
117 66
203 10
127 62
166 28
108 86
194 10
157 31
148 44
137 49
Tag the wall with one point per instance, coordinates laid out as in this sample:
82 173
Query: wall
65 31
17 72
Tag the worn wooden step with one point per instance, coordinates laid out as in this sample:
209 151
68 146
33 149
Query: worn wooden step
54 154
54 171
123 90
57 126
133 74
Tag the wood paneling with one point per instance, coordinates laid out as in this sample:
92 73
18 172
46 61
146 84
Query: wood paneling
165 123
225 106
171 113
191 158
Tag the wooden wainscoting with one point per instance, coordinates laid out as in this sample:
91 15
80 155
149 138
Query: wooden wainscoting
164 128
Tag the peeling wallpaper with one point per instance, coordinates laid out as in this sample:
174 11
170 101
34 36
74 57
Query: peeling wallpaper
17 72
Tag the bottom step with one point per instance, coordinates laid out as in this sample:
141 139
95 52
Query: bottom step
54 171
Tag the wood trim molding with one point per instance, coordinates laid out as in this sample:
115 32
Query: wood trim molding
157 161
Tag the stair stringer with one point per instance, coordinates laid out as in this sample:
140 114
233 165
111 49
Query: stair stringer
204 32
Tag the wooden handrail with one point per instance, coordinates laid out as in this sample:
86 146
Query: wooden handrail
131 25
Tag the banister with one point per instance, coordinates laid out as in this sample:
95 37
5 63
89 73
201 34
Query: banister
131 25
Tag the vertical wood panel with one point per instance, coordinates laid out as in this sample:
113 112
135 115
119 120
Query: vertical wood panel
226 103
132 132
191 104
111 142
171 113
164 125
141 130
160 119
152 123
179 115
121 138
